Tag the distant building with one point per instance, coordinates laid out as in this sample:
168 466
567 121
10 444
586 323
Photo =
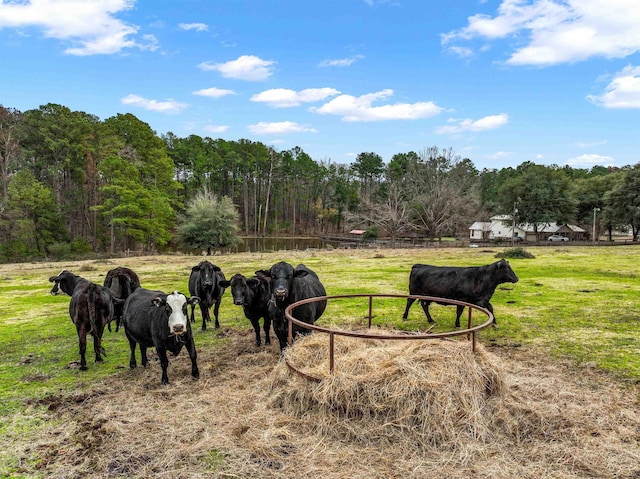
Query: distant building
499 228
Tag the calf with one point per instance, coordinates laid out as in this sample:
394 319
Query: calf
90 308
153 318
122 282
475 285
289 286
253 295
204 282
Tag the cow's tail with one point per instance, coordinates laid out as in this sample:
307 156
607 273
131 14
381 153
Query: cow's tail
91 308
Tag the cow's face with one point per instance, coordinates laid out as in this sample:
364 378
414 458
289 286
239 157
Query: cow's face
281 279
506 272
63 283
207 272
239 290
176 311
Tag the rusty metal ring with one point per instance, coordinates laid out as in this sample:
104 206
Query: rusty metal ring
470 331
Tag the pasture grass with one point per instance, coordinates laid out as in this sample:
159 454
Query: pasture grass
579 303
572 303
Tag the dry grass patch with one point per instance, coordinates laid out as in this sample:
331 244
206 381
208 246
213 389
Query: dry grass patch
429 409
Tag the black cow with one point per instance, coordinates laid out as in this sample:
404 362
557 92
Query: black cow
253 294
153 318
90 308
204 282
474 284
122 282
291 285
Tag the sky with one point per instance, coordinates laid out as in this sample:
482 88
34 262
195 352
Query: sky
553 82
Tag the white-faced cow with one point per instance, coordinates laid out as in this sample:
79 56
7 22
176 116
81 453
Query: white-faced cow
474 284
155 319
204 282
122 282
253 294
90 308
289 286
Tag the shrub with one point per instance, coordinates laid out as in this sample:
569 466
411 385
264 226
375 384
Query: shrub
517 252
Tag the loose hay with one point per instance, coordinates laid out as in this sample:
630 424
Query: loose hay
431 410
428 392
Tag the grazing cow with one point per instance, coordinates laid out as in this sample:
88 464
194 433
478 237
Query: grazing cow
475 285
122 282
253 294
291 285
153 318
90 308
204 282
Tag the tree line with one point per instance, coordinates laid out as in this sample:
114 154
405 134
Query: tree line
72 183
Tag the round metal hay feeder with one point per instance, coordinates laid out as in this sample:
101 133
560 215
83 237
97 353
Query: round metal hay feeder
470 331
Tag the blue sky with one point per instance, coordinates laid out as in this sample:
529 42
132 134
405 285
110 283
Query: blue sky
499 82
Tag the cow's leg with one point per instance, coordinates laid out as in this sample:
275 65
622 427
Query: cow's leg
425 308
267 328
164 363
143 356
256 329
410 301
132 348
495 323
193 318
193 355
459 310
97 343
216 308
204 310
82 343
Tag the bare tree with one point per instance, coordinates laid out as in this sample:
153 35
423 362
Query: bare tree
442 191
390 215
10 121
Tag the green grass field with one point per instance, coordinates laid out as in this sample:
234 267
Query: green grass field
576 304
579 303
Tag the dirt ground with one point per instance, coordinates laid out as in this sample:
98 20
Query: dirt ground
562 422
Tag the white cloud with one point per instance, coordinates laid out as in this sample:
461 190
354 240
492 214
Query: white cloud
89 25
352 108
589 160
214 92
589 144
622 92
265 128
168 106
342 62
558 31
490 122
283 98
245 67
200 27
499 155
216 128
462 52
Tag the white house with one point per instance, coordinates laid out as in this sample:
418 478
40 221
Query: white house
501 229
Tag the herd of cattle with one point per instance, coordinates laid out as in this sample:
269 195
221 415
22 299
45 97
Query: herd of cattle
156 319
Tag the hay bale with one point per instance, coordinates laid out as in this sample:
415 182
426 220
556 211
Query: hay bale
433 393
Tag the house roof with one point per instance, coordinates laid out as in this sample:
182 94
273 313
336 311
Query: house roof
550 227
480 225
